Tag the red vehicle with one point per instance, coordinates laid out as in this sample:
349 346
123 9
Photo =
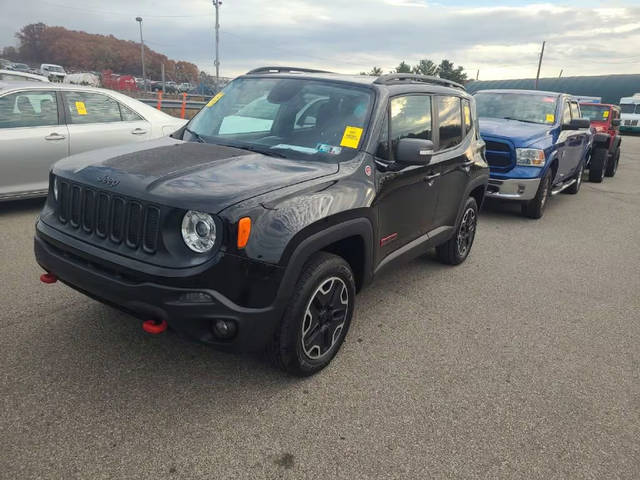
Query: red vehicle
118 82
605 155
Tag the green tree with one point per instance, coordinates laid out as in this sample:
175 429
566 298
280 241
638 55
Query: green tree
446 70
374 72
403 68
426 67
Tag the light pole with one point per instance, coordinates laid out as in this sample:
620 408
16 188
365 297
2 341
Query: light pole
144 76
216 4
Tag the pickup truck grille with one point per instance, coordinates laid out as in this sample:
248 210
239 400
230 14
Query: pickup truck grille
108 216
500 155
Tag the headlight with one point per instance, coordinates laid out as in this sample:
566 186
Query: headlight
530 157
198 231
55 188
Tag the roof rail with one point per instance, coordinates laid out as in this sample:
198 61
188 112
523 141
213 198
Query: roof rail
412 77
284 70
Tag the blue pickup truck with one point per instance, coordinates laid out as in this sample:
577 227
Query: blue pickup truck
538 145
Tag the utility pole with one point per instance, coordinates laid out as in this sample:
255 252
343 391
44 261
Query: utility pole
216 4
144 76
540 64
561 70
477 74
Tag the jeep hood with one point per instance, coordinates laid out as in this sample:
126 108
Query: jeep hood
521 134
187 174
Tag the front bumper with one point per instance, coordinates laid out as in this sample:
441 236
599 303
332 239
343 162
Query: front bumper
147 300
513 188
628 128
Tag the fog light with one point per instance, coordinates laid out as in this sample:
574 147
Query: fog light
521 189
224 329
195 297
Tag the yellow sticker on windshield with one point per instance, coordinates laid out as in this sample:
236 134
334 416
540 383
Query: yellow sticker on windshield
215 99
605 114
550 118
351 137
81 108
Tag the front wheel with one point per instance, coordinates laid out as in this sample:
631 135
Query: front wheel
535 208
317 318
612 167
598 165
456 250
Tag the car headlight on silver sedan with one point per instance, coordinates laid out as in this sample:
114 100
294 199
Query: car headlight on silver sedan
198 231
530 157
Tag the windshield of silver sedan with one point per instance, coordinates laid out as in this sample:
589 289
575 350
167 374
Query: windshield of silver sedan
286 117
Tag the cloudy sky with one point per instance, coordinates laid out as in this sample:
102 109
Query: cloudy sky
501 39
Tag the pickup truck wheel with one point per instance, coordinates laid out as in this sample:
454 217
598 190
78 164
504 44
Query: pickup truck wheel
535 208
575 188
456 250
598 165
317 318
612 166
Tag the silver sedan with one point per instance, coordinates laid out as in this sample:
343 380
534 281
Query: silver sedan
40 123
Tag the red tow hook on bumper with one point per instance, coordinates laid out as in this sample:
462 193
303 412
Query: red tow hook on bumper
153 327
48 278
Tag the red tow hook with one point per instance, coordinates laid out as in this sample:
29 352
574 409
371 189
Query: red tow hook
48 278
153 327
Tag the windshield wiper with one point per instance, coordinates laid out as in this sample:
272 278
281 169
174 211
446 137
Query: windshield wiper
265 151
197 136
519 120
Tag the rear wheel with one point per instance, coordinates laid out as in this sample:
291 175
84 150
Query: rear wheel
598 165
612 167
456 250
535 207
317 318
575 188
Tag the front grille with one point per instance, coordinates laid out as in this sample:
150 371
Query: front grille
108 216
500 155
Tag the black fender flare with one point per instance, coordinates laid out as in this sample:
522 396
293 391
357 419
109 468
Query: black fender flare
482 180
601 140
317 241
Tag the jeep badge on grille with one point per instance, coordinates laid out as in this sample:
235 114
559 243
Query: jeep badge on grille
108 181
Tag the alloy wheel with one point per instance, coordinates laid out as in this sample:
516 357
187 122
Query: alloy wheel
466 232
324 318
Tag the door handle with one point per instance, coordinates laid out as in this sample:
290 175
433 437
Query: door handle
431 178
138 131
54 136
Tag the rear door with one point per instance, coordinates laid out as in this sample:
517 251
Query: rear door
96 120
32 138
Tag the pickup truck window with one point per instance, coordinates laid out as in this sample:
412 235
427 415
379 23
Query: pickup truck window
523 107
449 122
575 110
410 118
566 114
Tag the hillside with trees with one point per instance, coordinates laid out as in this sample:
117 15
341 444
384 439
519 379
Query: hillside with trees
82 51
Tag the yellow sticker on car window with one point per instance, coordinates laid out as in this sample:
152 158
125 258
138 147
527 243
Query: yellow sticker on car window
550 118
351 137
215 99
605 114
81 108
467 115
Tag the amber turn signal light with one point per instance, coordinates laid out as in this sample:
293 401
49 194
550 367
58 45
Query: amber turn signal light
244 230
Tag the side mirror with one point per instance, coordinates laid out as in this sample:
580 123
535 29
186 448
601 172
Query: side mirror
577 124
414 151
615 122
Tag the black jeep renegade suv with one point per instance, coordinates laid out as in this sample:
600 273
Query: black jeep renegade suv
256 224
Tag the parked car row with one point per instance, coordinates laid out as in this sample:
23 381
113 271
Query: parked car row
254 225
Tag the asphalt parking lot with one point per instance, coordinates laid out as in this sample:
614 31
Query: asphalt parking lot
524 362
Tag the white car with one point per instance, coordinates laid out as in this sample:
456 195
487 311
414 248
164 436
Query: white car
12 75
53 72
40 123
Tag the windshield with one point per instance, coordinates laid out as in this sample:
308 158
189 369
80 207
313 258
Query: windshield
523 107
293 118
629 108
53 68
595 113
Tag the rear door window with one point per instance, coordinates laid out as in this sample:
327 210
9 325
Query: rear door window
85 107
28 109
449 121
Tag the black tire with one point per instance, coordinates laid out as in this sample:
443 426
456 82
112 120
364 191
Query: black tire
598 165
575 188
535 207
456 250
302 347
612 166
